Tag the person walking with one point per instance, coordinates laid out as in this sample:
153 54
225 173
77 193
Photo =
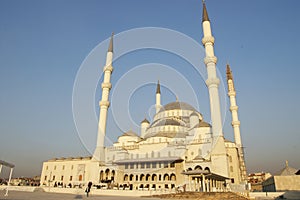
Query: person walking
88 189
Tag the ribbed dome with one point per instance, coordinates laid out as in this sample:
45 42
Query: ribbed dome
177 106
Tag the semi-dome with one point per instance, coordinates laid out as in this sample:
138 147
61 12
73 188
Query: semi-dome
177 106
129 133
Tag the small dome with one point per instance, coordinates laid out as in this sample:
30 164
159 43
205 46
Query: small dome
130 133
204 124
194 114
177 106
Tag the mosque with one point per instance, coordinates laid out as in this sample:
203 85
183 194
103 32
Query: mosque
177 148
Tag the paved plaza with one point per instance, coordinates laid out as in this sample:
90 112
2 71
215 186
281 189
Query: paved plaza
16 195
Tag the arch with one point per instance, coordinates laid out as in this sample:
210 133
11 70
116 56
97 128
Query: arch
142 177
198 167
113 174
189 169
131 177
125 177
148 177
173 177
207 169
107 173
166 177
154 177
101 175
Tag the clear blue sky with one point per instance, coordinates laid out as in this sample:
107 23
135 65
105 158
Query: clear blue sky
43 43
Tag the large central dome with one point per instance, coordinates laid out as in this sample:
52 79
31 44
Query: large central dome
177 106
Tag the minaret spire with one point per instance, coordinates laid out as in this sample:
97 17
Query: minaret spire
158 87
99 153
111 46
204 13
235 122
157 104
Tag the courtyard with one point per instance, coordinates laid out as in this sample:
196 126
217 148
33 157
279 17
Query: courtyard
17 195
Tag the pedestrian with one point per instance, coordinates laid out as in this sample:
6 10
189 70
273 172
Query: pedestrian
88 189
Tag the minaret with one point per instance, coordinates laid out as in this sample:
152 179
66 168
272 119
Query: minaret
233 107
212 81
157 104
99 153
236 123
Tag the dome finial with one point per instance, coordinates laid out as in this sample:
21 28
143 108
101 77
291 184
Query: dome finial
176 98
286 163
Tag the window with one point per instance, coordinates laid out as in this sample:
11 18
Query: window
230 158
160 165
53 178
142 165
126 166
71 177
55 167
46 167
148 165
154 165
165 165
172 165
231 169
62 178
72 167
131 166
80 178
63 167
45 178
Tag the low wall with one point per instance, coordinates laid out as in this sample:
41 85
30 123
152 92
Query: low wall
18 188
254 195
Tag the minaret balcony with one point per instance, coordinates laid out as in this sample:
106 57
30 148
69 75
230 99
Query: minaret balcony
208 39
108 68
210 59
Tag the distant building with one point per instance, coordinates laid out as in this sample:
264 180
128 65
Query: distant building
178 148
287 179
256 180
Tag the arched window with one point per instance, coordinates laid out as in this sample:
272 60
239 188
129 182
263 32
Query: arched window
154 177
198 167
101 175
80 177
230 158
166 177
107 174
142 177
125 177
173 177
131 177
189 169
148 177
207 169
